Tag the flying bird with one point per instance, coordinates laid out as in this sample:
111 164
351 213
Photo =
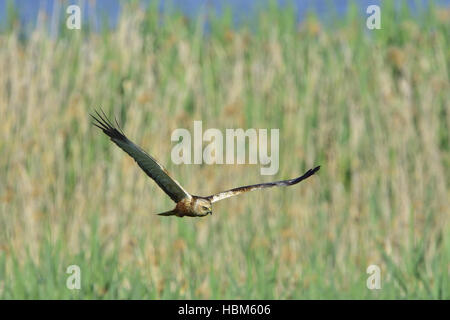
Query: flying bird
186 204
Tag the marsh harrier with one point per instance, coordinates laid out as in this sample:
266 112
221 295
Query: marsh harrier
186 204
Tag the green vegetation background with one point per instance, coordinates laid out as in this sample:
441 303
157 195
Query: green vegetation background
371 107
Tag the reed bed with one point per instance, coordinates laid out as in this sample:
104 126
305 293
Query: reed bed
371 107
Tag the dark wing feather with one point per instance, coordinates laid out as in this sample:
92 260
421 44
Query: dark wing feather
147 163
234 192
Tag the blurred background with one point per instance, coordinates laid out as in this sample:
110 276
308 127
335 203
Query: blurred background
370 106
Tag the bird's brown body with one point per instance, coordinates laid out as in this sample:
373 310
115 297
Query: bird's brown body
184 208
194 207
187 205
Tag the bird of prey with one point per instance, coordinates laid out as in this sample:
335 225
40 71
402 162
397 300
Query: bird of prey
186 204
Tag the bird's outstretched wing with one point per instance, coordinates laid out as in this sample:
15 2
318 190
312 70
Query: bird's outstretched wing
147 163
234 192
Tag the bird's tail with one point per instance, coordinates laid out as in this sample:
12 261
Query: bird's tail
167 213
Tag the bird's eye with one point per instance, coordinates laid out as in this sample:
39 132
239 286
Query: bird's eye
206 208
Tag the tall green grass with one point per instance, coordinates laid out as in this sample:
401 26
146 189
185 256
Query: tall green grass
371 107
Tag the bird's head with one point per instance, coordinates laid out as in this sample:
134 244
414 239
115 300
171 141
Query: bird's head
202 207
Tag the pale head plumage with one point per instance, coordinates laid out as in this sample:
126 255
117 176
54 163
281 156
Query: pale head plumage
202 206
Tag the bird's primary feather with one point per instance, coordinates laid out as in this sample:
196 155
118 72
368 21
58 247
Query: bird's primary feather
147 163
